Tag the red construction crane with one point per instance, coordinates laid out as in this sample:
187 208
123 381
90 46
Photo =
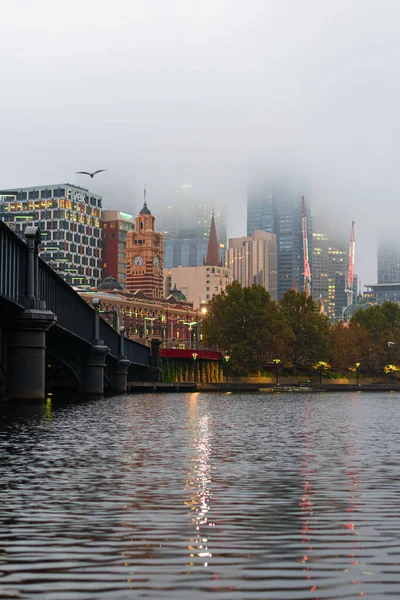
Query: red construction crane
307 271
350 270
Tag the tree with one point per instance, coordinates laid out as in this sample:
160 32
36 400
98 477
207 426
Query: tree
350 345
382 324
310 329
246 323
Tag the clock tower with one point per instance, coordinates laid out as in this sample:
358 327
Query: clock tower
144 256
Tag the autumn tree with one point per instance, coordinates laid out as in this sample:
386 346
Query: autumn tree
350 345
310 329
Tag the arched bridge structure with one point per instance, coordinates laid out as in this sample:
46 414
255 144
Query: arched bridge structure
49 336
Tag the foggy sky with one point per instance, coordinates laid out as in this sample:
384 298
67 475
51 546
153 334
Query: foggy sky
205 93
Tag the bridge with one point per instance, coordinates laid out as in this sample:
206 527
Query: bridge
50 337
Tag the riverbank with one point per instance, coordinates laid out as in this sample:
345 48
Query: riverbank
146 387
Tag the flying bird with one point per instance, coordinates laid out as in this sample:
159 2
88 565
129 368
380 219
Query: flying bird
91 174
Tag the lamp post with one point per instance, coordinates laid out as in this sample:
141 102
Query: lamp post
390 344
358 372
194 354
276 361
96 325
190 324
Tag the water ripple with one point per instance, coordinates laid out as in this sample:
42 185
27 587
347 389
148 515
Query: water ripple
186 496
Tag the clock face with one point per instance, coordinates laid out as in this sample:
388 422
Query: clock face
156 261
138 260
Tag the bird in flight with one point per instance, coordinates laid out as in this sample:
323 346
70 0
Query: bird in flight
91 174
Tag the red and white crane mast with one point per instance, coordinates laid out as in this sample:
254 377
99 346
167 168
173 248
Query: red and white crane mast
307 271
350 270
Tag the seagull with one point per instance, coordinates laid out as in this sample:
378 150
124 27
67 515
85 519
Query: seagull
91 174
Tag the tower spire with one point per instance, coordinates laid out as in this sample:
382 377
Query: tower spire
213 258
145 210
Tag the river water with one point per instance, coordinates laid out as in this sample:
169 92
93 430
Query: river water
188 496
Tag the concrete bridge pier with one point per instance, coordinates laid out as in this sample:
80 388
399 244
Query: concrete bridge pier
94 370
120 375
27 354
155 361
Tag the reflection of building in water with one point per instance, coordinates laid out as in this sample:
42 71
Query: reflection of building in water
198 483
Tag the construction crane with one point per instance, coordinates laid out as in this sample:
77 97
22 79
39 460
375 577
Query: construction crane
350 270
307 271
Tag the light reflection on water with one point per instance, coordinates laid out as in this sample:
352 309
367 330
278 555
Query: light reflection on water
188 496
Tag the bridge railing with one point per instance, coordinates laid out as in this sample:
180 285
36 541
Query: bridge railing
72 312
77 317
13 258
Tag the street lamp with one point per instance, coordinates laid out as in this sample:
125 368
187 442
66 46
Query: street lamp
191 324
276 361
194 354
358 372
322 366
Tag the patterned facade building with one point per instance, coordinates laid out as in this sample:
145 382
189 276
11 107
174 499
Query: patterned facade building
145 256
69 218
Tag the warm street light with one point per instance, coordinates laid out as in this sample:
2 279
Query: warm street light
226 357
276 361
322 366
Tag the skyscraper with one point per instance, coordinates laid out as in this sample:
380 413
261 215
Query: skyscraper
329 275
389 257
191 219
189 252
69 218
274 205
253 259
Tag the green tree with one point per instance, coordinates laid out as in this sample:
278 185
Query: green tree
310 329
246 323
382 324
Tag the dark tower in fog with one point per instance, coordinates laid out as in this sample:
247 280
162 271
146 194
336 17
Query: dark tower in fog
274 205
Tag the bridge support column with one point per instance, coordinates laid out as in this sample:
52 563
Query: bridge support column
155 361
120 375
94 370
27 354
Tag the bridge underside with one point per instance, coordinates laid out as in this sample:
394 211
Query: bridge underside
67 358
